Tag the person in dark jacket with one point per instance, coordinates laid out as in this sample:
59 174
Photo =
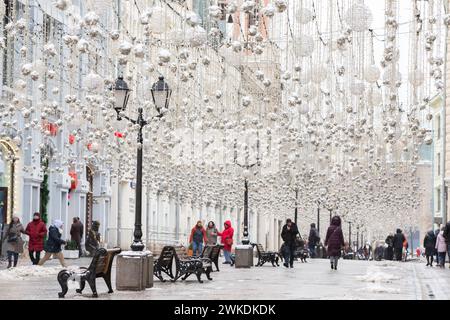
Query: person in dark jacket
397 243
198 236
289 235
54 242
313 240
93 240
447 239
76 233
334 241
14 241
429 242
36 230
390 247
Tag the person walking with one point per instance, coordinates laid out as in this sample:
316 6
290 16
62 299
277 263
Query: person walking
36 231
93 239
447 239
14 241
441 248
227 241
198 235
313 240
429 242
397 243
76 234
54 242
390 247
334 241
211 234
289 235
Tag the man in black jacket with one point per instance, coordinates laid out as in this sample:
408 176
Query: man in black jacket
399 238
447 239
389 253
313 240
289 235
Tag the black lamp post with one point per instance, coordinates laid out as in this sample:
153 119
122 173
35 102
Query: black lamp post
350 233
161 95
296 206
318 216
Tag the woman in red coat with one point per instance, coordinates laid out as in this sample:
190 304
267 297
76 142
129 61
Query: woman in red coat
36 230
227 240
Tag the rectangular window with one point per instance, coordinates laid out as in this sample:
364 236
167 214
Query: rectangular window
438 200
438 164
438 126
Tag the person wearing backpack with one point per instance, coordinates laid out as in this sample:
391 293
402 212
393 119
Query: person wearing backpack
14 241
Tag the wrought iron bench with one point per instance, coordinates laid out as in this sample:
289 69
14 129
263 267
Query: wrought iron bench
212 252
100 267
266 256
184 266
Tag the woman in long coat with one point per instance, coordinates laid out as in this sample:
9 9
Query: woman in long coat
14 241
429 242
334 241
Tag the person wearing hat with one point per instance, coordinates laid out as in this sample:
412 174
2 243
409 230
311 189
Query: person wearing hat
54 242
14 242
36 231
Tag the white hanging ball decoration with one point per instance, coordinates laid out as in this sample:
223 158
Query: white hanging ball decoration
304 45
192 19
359 17
178 36
139 51
357 87
246 101
281 5
375 97
62 4
93 81
309 92
125 48
164 55
416 78
20 85
304 15
198 37
318 74
237 46
371 73
95 146
159 21
269 10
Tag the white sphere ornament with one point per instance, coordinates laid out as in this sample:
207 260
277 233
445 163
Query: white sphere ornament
125 48
93 81
246 101
304 45
304 15
192 19
159 21
269 10
371 73
198 37
359 17
318 74
164 55
416 78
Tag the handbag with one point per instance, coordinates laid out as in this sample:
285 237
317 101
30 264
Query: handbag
13 238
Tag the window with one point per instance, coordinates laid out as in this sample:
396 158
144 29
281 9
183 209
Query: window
438 200
438 126
438 164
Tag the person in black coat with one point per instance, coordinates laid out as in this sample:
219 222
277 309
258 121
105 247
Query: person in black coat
289 236
399 238
429 242
390 247
313 240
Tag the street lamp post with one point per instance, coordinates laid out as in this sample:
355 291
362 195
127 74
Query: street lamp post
318 216
350 233
296 206
161 95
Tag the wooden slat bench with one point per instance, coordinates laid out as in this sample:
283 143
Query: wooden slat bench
100 267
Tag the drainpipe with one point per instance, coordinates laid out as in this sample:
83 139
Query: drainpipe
444 130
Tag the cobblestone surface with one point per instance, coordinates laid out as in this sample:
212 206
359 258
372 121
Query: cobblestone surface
312 280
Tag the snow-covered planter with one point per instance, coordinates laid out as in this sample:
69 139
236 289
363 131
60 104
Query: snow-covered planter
70 254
